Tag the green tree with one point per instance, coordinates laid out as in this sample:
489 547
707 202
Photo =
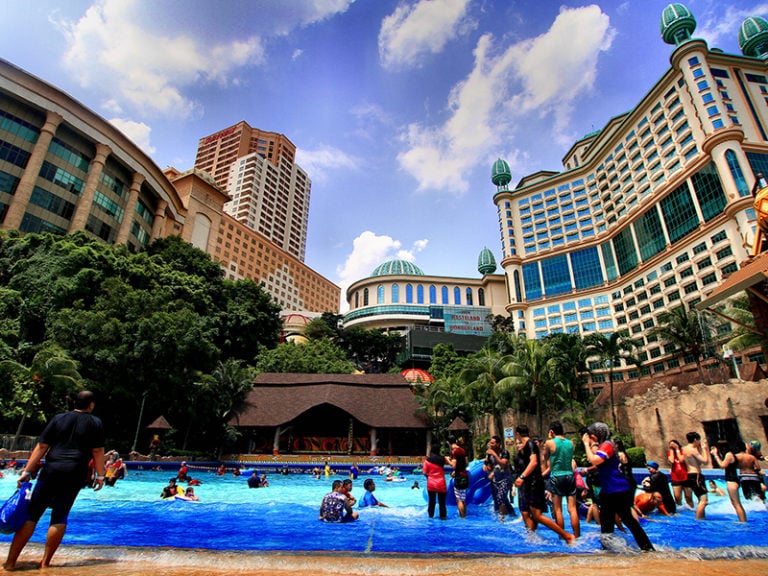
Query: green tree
688 332
532 374
569 363
313 357
446 362
489 385
48 381
318 328
746 334
612 351
371 350
221 391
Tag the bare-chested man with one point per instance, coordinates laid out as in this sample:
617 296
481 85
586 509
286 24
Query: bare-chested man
696 454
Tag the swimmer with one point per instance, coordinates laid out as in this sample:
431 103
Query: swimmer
415 485
368 498
715 489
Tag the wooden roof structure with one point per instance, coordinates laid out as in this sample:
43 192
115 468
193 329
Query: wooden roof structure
376 400
160 423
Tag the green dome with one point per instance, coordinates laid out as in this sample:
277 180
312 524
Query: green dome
677 24
486 263
397 268
501 175
753 37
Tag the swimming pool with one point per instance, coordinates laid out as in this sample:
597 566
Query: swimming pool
283 516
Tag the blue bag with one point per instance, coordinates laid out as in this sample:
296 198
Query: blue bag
14 512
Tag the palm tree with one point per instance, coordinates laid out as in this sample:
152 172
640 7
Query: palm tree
51 374
533 374
570 364
224 389
747 334
688 331
612 350
488 384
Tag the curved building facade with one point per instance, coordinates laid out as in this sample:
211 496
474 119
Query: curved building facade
652 211
428 310
64 168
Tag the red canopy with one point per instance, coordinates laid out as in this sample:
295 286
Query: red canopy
417 375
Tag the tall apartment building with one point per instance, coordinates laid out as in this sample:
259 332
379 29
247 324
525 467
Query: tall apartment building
269 192
652 211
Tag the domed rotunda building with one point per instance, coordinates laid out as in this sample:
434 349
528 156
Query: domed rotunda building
399 297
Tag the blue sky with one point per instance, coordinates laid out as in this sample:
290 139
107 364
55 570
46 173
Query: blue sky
397 108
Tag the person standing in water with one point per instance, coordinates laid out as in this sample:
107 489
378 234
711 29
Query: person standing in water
615 496
67 444
559 451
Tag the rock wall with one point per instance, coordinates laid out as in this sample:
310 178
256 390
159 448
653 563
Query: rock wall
663 413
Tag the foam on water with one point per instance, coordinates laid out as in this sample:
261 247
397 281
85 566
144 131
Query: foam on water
283 517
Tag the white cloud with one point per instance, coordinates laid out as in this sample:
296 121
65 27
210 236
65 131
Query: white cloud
413 31
368 251
138 132
535 76
716 26
320 161
139 64
552 78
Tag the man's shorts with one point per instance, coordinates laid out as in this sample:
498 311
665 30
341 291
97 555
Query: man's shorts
696 483
563 485
531 495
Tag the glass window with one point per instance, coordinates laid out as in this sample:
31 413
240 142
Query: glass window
420 294
737 173
365 297
586 267
709 192
395 293
480 297
625 251
432 294
679 213
409 294
380 294
444 294
610 264
469 296
457 296
557 278
649 233
532 281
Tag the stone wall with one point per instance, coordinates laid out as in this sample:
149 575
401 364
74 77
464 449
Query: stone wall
663 413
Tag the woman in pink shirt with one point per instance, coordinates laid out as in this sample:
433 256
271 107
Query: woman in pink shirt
436 486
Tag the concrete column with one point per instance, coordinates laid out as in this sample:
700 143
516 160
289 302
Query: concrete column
20 199
373 441
83 208
159 225
130 209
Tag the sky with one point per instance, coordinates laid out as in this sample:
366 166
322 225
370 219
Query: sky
398 108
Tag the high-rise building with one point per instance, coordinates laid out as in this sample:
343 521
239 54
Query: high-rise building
269 192
652 211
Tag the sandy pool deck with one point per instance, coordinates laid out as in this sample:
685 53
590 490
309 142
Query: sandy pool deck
97 561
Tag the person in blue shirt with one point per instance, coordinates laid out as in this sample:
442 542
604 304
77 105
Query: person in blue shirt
368 498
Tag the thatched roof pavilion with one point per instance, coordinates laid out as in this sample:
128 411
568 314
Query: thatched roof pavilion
334 412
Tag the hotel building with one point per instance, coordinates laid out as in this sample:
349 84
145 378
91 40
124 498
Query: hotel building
64 168
652 211
268 192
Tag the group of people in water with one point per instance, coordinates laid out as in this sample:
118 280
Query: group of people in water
544 478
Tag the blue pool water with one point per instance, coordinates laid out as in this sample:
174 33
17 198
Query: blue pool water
283 516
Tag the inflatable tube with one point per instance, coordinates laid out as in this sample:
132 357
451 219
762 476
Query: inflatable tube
478 491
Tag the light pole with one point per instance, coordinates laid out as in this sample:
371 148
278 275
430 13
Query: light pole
138 424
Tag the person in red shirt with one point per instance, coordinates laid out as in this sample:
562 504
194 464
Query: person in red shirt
436 486
458 461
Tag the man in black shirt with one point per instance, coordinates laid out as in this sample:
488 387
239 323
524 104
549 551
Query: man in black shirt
67 444
658 482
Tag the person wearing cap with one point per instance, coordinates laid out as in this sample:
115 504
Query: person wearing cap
615 494
658 482
67 444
